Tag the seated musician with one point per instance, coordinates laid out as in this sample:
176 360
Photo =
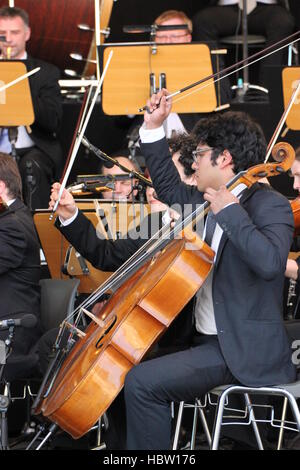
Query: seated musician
123 188
238 311
179 36
19 268
184 122
38 152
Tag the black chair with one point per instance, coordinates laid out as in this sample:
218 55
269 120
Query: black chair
226 415
57 303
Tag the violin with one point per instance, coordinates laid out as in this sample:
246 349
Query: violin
295 204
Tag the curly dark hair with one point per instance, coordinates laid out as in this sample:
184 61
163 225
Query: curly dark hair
10 175
185 144
236 132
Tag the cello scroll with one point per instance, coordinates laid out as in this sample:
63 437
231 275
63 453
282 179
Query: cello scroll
283 154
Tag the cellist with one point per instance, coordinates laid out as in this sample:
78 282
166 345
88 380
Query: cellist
239 332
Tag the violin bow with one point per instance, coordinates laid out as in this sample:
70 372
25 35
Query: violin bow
260 55
281 122
80 136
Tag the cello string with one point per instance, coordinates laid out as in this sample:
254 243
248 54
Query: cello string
111 281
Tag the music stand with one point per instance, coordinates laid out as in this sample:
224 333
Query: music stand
16 107
134 67
119 217
243 87
290 80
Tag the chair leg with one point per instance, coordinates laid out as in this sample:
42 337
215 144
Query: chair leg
253 422
194 428
294 407
178 425
283 416
51 431
218 420
204 422
4 405
99 444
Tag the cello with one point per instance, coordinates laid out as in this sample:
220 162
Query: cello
150 290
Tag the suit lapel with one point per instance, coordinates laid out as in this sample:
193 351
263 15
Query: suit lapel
16 205
245 196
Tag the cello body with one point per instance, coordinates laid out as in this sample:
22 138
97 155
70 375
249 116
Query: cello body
131 321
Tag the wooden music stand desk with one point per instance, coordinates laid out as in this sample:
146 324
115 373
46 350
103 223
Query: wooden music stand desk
290 80
15 102
60 254
126 87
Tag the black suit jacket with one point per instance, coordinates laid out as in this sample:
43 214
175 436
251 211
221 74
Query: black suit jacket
248 273
47 104
19 273
107 255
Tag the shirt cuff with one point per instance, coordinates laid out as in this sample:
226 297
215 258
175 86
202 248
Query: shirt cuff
229 204
148 136
65 222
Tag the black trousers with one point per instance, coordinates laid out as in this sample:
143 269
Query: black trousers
151 386
272 21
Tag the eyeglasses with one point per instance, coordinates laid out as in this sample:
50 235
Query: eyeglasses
170 37
200 152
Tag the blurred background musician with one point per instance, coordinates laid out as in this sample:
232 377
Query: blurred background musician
184 122
175 17
269 18
123 189
19 267
38 152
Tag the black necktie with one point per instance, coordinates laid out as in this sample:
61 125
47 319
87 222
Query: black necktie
210 227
